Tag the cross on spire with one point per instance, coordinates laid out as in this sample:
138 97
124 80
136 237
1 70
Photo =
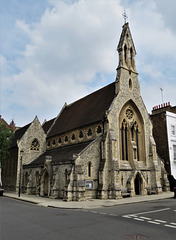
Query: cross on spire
124 16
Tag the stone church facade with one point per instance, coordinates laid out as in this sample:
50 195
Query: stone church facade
100 146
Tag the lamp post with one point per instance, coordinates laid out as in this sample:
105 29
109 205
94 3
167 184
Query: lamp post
19 186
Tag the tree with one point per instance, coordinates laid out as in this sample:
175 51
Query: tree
6 136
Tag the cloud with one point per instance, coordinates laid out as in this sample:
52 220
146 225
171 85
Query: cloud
71 51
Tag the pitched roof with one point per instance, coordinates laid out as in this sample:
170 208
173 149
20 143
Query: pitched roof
85 111
61 154
18 135
46 126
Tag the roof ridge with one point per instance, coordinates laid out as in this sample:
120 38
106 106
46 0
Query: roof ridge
68 105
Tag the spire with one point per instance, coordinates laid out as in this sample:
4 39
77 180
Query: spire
126 49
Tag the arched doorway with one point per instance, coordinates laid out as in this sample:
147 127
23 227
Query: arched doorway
45 184
138 184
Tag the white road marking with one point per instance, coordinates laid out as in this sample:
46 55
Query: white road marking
153 222
161 221
111 214
126 216
93 212
145 218
173 223
139 219
160 210
102 213
166 225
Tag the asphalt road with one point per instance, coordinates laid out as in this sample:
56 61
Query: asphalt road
150 220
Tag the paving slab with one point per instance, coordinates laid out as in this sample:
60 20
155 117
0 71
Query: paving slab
88 204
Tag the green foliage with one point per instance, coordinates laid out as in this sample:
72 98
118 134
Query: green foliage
6 136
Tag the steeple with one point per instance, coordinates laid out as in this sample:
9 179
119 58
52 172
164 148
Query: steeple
127 76
126 50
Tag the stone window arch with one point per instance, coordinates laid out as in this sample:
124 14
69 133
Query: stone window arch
60 141
131 133
35 146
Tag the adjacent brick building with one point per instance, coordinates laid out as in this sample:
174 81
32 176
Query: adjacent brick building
164 131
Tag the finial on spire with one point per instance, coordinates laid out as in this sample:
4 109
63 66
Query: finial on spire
124 16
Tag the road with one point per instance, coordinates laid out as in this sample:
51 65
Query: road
150 220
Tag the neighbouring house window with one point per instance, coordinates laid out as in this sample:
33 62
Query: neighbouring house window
172 129
89 169
35 145
174 152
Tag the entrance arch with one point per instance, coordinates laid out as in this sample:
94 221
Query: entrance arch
138 184
45 184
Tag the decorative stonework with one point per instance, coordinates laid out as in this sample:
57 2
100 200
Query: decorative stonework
129 113
35 145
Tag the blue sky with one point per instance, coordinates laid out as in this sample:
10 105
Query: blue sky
57 51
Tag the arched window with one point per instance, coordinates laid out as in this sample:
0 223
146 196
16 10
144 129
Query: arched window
89 133
80 134
130 84
99 130
73 136
59 141
66 138
124 140
125 53
89 169
35 145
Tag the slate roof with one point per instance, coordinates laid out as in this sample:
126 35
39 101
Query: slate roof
85 111
61 154
46 126
18 135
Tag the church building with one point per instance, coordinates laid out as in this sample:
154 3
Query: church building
100 146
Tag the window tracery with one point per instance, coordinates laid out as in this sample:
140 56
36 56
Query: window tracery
35 145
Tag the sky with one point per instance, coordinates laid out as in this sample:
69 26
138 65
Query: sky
57 51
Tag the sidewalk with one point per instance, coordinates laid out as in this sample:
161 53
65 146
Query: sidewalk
88 204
